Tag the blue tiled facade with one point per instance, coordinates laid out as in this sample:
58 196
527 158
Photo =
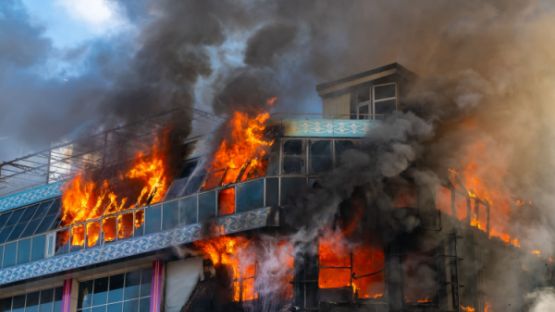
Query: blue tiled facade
130 247
346 128
30 196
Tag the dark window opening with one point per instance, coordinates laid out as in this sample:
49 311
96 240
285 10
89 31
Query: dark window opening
293 157
320 156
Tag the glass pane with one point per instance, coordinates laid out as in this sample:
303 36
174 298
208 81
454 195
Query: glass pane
272 192
46 298
291 187
226 201
125 225
144 305
188 210
17 230
4 218
207 205
139 223
114 307
38 247
170 215
100 291
5 304
57 299
9 254
250 195
132 284
46 224
116 288
363 94
383 92
5 233
293 147
42 209
18 303
384 107
62 242
146 276
98 309
131 306
31 228
85 294
340 147
32 301
29 213
320 156
193 185
153 219
363 112
16 215
1 254
293 157
273 161
24 251
176 188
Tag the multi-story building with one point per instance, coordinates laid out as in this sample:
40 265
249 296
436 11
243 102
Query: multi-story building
153 265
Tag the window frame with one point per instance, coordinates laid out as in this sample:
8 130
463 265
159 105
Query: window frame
374 100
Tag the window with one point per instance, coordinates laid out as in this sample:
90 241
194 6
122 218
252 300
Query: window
250 195
293 157
49 300
188 210
123 292
206 205
226 201
153 219
362 102
385 99
340 147
320 156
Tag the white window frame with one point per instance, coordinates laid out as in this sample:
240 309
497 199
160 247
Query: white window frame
374 100
365 103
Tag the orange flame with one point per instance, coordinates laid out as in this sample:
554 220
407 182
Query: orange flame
230 251
357 267
240 156
239 255
467 309
145 181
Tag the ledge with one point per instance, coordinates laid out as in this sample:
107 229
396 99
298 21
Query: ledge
250 220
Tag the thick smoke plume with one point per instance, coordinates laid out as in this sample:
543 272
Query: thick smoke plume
486 70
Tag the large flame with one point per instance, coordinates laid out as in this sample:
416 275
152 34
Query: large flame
145 181
241 154
239 255
483 180
358 267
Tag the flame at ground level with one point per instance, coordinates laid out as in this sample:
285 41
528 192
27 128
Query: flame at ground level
145 181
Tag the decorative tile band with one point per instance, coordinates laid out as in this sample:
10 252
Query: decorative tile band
30 196
345 128
253 219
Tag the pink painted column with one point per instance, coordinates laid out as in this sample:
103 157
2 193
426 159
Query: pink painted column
66 295
157 285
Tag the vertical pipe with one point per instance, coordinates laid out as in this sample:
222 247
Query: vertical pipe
157 285
66 295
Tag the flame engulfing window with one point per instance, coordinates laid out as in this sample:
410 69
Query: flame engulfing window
359 267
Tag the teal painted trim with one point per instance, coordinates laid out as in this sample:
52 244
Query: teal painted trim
30 196
341 128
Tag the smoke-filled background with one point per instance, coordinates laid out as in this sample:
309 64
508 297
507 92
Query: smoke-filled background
486 69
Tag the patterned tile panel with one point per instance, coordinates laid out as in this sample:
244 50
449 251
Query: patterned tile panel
30 196
345 128
232 224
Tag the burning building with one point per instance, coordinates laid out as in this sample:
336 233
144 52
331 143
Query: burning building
283 213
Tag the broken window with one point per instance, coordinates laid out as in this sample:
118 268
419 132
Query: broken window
419 279
226 201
